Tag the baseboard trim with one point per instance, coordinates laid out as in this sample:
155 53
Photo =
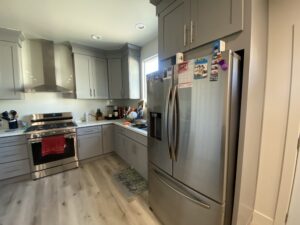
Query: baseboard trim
261 219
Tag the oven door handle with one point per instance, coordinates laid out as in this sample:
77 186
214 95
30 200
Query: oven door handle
39 140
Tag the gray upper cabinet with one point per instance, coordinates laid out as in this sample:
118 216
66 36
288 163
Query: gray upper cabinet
11 82
107 74
82 76
115 78
131 72
214 19
187 24
91 77
100 78
172 29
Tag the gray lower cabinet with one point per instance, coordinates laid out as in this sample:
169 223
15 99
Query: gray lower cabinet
187 24
131 147
108 138
14 159
89 142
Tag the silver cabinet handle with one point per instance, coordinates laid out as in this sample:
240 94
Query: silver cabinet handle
184 35
94 93
192 31
91 92
191 198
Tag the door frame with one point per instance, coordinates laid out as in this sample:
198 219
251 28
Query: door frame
292 134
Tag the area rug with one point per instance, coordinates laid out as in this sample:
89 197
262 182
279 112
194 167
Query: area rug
130 183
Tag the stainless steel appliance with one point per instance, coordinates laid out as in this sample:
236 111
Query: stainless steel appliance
192 141
52 125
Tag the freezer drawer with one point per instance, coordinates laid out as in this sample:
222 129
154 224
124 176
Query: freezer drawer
174 203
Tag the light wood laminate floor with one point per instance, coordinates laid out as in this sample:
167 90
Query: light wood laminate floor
84 196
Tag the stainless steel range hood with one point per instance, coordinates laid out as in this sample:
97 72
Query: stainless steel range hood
50 84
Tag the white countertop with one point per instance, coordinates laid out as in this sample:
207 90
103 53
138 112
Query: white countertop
116 122
9 133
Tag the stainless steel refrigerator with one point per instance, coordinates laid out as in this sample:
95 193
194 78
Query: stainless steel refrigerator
193 115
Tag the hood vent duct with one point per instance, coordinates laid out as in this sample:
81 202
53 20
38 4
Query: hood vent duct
49 69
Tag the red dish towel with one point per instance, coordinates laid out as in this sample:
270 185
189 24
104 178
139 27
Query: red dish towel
53 145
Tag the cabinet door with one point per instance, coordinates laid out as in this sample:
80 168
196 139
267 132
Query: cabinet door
142 160
214 19
82 76
99 82
10 83
125 76
115 78
89 146
108 138
172 29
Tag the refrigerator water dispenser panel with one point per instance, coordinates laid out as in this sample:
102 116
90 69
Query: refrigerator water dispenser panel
155 125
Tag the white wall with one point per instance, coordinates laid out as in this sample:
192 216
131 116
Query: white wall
51 102
282 16
149 49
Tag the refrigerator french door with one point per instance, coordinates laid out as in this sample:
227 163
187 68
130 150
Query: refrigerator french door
193 143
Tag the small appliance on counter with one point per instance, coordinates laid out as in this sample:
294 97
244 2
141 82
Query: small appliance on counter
114 112
11 118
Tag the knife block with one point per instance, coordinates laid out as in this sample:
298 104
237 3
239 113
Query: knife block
13 124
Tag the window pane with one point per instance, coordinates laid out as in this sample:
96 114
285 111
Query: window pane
151 65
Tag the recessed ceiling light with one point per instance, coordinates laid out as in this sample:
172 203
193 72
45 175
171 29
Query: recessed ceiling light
140 26
96 37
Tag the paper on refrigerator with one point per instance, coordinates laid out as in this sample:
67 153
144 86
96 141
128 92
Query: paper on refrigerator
185 74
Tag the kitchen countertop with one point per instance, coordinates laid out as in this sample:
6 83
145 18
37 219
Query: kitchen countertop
116 122
9 133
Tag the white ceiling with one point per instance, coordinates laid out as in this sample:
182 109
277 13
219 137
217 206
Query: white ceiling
76 20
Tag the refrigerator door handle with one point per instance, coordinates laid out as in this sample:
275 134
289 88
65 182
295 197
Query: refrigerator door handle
173 119
176 124
167 110
195 200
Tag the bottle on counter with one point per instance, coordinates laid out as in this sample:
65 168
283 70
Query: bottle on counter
98 114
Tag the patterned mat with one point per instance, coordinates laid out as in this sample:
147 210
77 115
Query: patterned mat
130 182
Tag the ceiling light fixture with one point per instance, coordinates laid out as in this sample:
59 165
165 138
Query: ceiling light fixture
140 26
96 37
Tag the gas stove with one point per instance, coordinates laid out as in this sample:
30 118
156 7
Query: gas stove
52 142
49 124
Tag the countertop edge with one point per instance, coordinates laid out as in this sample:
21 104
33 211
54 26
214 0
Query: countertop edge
4 134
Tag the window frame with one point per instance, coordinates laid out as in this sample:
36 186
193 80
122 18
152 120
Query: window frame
144 78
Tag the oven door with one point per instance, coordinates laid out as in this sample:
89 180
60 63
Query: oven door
40 162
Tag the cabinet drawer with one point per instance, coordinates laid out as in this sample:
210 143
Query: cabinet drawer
136 137
14 140
13 153
13 169
88 130
119 129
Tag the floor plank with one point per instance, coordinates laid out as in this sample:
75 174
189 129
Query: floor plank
84 196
